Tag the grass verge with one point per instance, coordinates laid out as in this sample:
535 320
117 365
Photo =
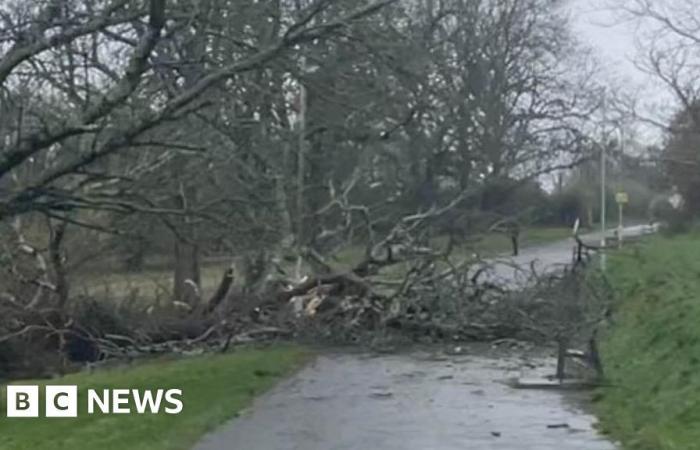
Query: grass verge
652 349
215 388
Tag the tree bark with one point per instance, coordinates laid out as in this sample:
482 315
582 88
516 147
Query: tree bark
57 233
222 291
186 268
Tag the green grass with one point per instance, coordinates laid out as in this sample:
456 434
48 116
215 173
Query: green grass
215 388
652 349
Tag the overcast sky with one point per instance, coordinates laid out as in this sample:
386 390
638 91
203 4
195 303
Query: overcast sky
613 40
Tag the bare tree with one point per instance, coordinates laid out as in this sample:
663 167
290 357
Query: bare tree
174 129
668 51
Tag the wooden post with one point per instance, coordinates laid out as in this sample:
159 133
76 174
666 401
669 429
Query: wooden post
562 344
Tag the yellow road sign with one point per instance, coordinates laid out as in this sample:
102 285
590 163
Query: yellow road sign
622 197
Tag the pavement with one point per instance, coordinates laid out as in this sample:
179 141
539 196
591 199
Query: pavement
421 400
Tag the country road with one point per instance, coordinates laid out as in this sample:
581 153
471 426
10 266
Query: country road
418 401
421 400
513 271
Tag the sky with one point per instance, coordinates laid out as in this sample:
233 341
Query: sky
614 41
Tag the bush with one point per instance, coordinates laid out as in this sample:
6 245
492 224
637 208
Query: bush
673 221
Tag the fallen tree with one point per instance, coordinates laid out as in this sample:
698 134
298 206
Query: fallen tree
214 115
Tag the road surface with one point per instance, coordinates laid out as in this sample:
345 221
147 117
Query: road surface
515 271
416 401
421 400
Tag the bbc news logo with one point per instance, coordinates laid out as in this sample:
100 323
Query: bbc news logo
63 401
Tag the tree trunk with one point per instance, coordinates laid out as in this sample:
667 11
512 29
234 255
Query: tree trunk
222 291
57 233
282 201
187 274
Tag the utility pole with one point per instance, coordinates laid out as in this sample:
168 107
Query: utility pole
301 169
621 200
602 205
303 106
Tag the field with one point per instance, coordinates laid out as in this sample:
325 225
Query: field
156 282
652 348
215 388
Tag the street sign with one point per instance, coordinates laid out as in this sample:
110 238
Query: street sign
622 198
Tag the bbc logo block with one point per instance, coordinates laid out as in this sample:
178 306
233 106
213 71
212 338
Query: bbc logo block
62 401
22 401
59 401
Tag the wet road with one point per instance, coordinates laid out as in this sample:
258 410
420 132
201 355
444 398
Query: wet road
410 402
418 401
515 271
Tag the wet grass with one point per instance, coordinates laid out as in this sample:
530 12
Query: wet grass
215 388
652 349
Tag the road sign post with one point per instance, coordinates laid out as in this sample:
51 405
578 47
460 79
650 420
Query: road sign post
622 198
